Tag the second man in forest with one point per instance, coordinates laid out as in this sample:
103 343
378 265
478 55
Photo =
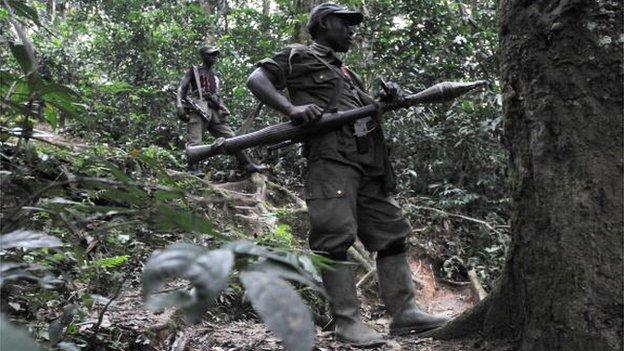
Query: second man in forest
204 109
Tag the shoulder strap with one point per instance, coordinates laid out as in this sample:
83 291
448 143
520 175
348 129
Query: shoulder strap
359 85
339 85
198 83
294 49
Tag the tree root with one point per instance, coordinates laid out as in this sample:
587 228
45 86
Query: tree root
468 323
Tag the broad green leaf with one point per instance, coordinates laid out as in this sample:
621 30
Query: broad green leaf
131 196
28 239
50 116
210 272
116 172
161 302
287 272
164 195
248 248
10 271
168 263
13 338
172 218
45 88
14 271
207 271
281 308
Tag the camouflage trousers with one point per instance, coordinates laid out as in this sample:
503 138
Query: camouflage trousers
216 125
343 205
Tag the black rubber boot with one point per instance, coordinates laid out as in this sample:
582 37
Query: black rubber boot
397 292
340 286
245 163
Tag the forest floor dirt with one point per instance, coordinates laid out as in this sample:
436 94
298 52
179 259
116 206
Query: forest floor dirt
127 321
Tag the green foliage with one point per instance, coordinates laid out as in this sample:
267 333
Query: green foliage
262 273
281 237
111 262
281 308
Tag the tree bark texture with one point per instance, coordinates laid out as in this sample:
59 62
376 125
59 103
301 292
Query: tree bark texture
562 288
300 33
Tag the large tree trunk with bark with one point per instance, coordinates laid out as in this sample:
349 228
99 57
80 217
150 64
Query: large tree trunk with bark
562 288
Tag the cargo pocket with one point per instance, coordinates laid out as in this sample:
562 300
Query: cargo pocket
332 218
323 189
324 78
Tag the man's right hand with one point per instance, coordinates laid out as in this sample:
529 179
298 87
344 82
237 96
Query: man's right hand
305 114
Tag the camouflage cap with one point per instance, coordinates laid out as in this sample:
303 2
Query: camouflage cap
325 9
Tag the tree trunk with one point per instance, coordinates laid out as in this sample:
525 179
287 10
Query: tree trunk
300 33
51 7
266 7
562 288
208 6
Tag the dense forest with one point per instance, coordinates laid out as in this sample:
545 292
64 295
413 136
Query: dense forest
513 191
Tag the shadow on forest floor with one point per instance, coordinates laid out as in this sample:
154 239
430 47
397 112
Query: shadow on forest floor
128 321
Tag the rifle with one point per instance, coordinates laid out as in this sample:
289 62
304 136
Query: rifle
190 103
287 131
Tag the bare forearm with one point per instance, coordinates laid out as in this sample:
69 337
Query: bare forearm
264 89
183 89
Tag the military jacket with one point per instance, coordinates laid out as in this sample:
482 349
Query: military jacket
311 74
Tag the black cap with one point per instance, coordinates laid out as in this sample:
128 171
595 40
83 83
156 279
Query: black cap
325 9
211 50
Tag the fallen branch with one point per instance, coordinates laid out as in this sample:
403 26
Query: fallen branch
96 327
34 137
475 220
300 203
360 259
367 279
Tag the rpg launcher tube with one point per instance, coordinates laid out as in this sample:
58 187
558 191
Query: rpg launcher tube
274 134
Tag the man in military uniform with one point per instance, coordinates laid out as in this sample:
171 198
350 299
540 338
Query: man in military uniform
349 177
204 84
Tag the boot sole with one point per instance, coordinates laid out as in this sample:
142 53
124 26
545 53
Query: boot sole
414 330
362 345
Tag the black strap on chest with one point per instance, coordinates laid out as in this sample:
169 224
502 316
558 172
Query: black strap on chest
361 139
198 86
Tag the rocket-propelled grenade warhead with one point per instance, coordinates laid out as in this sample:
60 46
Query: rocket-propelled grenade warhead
440 92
